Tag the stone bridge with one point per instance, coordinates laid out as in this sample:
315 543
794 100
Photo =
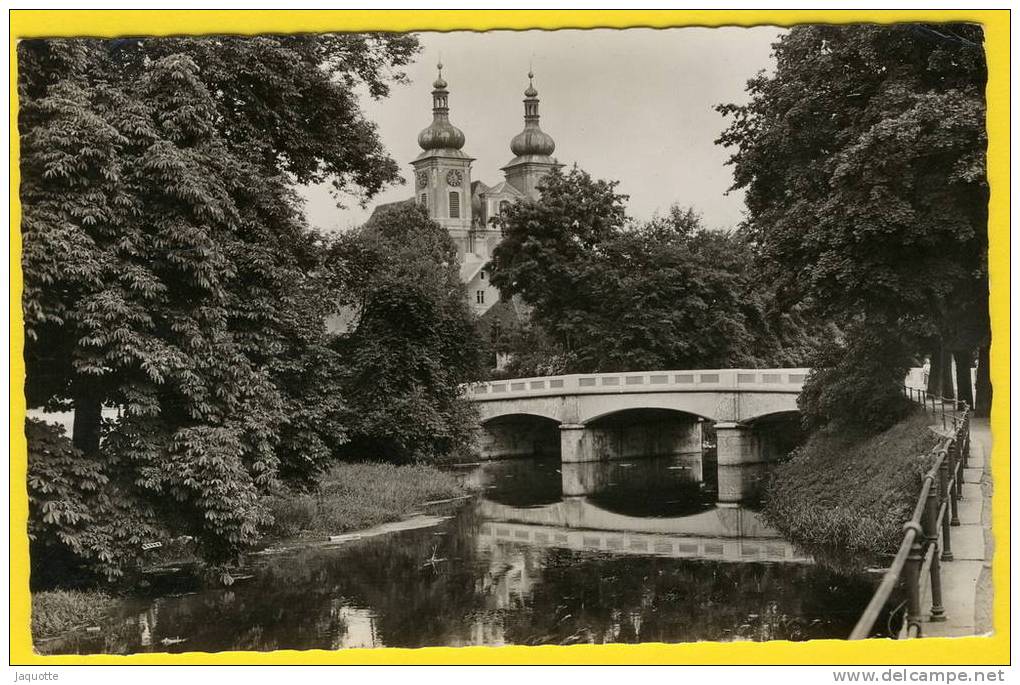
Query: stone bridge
594 417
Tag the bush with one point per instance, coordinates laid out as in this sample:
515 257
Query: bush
858 384
845 495
356 496
58 611
82 521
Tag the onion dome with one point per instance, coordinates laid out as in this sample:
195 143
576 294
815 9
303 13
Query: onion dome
532 140
441 134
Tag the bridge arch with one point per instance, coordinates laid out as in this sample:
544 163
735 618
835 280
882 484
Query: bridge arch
657 411
711 406
519 434
755 406
539 407
511 416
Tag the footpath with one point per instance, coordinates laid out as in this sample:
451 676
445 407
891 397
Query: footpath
967 579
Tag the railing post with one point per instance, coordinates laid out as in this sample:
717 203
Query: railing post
931 536
943 482
966 435
956 475
912 574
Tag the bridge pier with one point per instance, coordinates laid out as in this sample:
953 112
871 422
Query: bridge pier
573 445
741 462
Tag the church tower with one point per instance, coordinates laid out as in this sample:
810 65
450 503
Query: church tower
533 148
442 172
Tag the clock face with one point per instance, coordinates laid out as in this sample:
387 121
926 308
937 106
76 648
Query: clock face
423 179
454 178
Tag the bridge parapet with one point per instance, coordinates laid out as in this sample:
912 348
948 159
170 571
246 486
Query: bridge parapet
789 380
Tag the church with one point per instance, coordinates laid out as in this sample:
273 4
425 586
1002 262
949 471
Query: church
466 207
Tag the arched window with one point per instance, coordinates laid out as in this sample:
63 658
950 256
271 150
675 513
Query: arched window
454 204
504 205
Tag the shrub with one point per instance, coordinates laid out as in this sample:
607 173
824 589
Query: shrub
58 611
844 495
858 384
81 521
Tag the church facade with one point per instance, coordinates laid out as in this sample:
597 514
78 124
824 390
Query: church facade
465 206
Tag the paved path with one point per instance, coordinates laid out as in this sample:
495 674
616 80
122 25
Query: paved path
967 581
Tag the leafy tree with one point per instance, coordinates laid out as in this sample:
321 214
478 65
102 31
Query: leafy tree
614 295
530 352
168 270
411 340
551 253
863 162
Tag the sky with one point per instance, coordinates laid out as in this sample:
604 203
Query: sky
635 105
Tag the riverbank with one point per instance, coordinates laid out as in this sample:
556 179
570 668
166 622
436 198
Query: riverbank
844 496
58 611
349 498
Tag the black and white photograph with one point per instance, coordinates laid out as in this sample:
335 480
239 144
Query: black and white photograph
350 340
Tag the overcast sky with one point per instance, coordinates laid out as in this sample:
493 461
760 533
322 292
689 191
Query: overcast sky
633 105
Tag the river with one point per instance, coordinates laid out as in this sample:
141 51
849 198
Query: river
645 556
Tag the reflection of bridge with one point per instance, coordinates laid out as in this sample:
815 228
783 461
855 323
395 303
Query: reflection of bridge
593 417
723 534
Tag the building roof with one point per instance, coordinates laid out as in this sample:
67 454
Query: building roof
504 188
389 207
470 267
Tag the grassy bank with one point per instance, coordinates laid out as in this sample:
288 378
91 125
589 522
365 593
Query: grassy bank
845 496
57 611
356 496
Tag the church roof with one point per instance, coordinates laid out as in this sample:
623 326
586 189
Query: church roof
504 188
441 136
387 207
470 267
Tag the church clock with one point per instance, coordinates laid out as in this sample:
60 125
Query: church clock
454 178
423 179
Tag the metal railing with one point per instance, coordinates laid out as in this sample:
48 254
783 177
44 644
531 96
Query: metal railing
927 538
936 405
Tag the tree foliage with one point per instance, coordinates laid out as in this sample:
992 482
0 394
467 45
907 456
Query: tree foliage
168 269
411 340
616 295
863 163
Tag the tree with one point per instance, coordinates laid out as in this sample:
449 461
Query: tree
862 158
614 295
168 269
551 253
410 342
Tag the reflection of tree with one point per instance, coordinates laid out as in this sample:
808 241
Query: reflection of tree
585 598
419 604
381 591
302 600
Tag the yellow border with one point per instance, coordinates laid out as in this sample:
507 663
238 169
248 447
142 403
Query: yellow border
992 650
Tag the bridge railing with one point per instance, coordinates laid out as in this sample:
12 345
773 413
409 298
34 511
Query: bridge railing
927 537
782 380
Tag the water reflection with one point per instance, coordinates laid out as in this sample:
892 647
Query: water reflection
620 552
